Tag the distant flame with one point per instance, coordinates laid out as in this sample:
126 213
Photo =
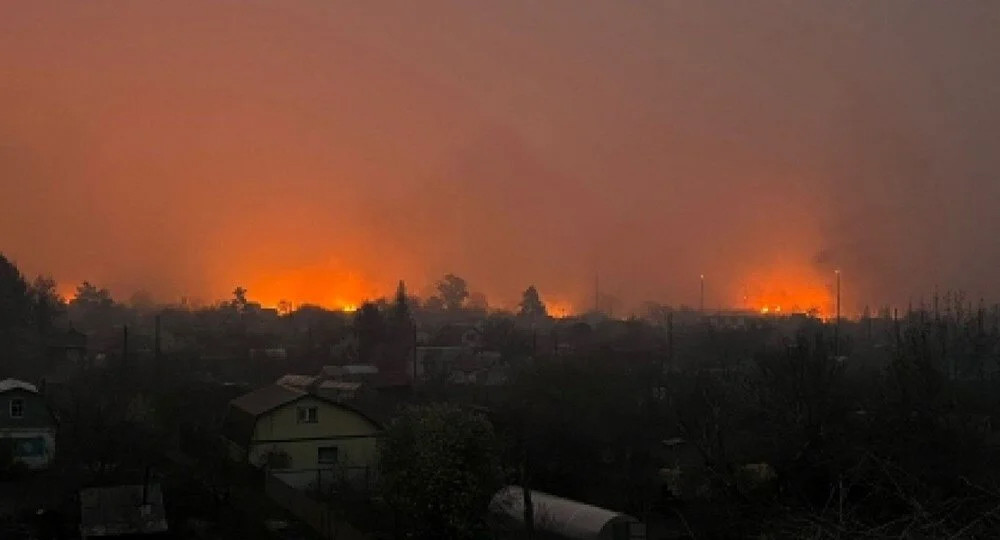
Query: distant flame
789 291
558 308
331 288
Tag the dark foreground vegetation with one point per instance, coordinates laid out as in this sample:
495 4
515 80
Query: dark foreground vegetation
702 426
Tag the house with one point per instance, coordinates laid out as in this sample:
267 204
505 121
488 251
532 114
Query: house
27 424
304 438
122 511
330 389
457 335
69 346
459 365
351 373
559 518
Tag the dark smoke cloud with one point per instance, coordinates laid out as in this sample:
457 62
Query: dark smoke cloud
182 147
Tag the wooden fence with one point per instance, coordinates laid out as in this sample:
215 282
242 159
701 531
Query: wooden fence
318 515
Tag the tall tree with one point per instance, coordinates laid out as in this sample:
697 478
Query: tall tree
370 328
401 305
92 307
14 296
399 334
478 302
46 304
531 304
453 291
240 299
14 310
440 467
90 296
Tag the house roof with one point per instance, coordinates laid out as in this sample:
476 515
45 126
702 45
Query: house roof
349 369
296 381
11 384
266 398
455 335
340 385
244 410
70 339
118 510
562 517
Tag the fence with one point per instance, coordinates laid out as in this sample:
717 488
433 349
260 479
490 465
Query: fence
342 480
318 515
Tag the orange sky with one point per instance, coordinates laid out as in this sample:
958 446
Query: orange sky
317 151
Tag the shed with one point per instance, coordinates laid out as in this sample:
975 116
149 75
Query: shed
556 517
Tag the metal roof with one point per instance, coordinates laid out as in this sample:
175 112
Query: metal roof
555 515
10 384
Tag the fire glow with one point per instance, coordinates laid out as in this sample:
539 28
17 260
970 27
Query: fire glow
789 292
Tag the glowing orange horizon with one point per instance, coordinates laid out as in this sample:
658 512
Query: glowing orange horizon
788 291
558 308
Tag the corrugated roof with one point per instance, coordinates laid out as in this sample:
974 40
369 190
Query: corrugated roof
264 399
563 517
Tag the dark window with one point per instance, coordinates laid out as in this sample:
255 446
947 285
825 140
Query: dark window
308 415
17 408
29 447
328 455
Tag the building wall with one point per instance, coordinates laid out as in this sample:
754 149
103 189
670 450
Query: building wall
36 429
352 434
42 445
37 414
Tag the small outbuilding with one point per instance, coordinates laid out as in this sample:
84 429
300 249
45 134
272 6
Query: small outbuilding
558 518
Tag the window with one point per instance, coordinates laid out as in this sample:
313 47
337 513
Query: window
29 447
327 455
17 408
308 415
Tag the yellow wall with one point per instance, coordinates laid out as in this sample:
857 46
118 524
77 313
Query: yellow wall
350 432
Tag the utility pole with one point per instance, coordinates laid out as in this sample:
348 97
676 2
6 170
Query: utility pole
868 322
597 293
670 340
937 314
156 339
701 301
836 327
124 345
